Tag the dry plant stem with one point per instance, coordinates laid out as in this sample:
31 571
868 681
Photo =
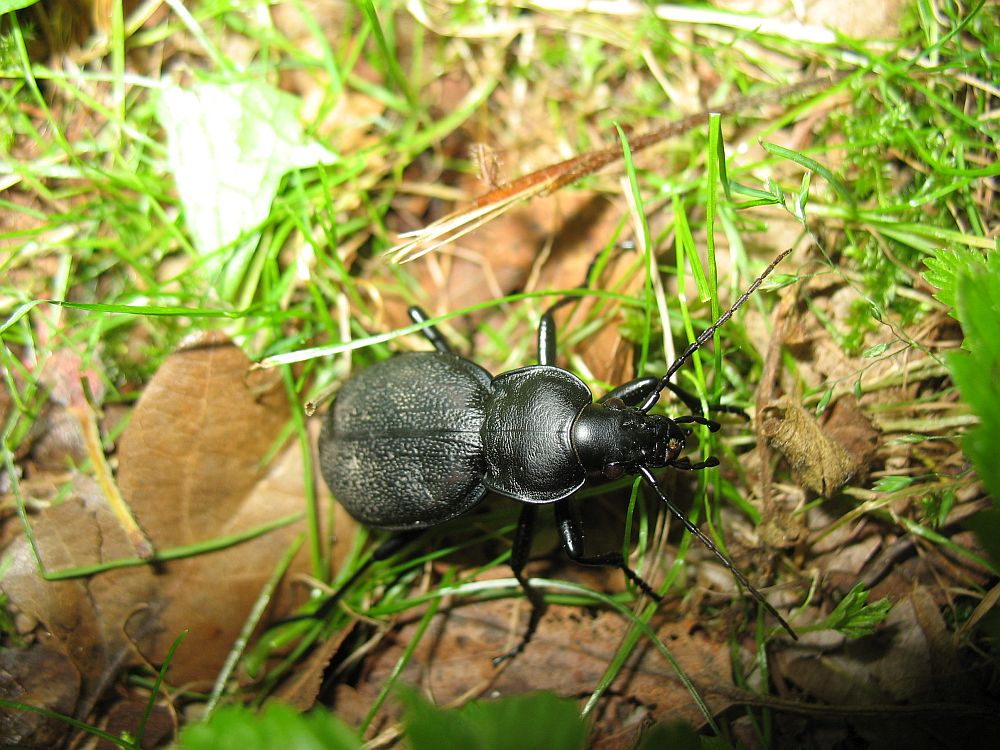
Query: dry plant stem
986 604
555 176
566 172
95 451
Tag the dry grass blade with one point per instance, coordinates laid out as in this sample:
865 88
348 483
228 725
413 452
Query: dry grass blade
548 179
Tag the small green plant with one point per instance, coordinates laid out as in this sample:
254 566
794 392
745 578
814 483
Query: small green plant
520 721
976 372
278 725
854 617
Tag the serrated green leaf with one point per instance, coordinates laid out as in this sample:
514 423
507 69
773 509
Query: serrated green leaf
979 389
944 267
429 728
854 617
979 313
530 720
976 372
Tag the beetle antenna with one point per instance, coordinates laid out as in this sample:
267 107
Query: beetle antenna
708 333
700 535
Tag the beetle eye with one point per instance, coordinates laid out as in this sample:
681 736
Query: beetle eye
613 470
615 403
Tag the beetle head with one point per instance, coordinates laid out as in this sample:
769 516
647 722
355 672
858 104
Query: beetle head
617 439
669 441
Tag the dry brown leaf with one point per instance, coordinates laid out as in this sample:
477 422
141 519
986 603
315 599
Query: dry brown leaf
847 423
568 655
604 352
85 617
566 231
496 260
38 676
192 468
127 715
302 689
910 664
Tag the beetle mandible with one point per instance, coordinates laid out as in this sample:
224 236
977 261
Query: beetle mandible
418 439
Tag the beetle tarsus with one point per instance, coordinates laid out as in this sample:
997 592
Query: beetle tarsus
518 559
571 536
684 464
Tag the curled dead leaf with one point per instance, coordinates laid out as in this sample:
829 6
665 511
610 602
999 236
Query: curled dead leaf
819 460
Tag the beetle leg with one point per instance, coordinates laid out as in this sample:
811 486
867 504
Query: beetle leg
633 393
431 333
571 534
518 559
384 551
547 335
547 325
691 401
711 424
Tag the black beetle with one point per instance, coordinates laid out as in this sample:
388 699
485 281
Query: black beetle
418 439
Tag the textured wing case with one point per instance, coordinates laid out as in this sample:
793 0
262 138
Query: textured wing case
401 447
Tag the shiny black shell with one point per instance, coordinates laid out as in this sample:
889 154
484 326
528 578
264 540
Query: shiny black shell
527 434
417 439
